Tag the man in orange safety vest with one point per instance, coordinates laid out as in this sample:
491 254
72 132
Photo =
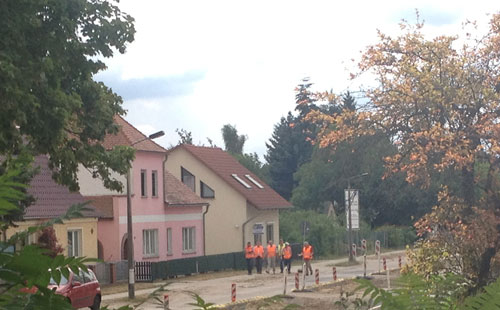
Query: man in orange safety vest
271 256
287 256
307 256
258 252
249 257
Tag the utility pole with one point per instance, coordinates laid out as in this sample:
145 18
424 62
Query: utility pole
130 236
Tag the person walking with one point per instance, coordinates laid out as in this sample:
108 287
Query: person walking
307 256
258 251
280 258
249 256
287 256
271 256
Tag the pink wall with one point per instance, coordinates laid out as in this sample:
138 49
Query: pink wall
150 213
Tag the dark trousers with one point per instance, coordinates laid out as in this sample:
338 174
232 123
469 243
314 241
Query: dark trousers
249 265
288 264
258 264
282 263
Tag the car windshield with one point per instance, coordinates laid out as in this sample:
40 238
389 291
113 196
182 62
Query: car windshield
63 281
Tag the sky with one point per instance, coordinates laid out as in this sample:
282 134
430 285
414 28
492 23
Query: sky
198 65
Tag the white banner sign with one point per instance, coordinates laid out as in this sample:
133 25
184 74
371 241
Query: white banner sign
352 196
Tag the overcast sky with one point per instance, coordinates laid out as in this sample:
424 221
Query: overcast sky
198 65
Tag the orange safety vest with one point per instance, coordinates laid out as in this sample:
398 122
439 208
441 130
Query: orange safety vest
287 252
258 250
307 252
248 252
271 250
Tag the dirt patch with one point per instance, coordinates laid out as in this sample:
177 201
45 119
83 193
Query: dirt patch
321 297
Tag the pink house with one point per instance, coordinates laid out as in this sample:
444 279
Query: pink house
168 218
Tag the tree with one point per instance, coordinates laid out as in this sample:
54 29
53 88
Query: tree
48 241
232 141
185 136
49 102
439 104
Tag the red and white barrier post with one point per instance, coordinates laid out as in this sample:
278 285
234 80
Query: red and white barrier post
387 273
377 252
353 250
334 274
166 302
316 276
363 246
233 292
296 280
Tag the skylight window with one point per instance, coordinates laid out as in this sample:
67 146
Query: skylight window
237 178
253 181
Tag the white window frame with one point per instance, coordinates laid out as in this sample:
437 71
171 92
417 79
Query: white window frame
254 181
144 183
72 252
150 242
154 183
270 224
169 241
189 239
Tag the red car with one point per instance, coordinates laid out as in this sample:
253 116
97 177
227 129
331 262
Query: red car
82 290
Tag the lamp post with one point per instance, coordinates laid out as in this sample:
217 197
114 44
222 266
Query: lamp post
349 199
130 237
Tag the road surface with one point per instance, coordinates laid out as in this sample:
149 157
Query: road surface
218 290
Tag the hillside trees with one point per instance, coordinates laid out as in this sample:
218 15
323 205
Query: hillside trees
439 102
49 103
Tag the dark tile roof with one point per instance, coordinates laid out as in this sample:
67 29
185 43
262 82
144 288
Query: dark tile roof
51 199
225 165
128 135
178 194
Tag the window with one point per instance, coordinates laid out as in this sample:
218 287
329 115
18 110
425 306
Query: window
150 242
257 237
188 240
206 191
144 189
154 183
254 181
75 243
237 178
188 179
270 231
169 241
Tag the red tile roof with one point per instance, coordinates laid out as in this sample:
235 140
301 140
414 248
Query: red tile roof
104 204
128 135
225 165
51 199
178 194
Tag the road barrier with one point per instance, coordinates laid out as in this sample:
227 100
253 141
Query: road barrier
334 274
377 251
353 249
296 280
166 302
399 261
316 276
233 292
284 280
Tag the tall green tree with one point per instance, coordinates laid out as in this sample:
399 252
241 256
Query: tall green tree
232 141
49 52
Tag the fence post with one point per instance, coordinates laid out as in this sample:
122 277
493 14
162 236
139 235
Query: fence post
296 280
112 273
377 251
334 274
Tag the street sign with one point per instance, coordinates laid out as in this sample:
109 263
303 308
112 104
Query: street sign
352 195
258 229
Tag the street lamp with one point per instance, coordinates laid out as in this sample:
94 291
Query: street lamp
130 237
349 199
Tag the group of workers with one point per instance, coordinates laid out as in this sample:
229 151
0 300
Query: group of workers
276 254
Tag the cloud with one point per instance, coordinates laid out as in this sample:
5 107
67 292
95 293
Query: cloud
151 87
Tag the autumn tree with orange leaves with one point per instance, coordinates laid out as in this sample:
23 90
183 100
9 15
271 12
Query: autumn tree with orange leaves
439 101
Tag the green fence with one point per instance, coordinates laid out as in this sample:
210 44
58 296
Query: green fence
201 264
